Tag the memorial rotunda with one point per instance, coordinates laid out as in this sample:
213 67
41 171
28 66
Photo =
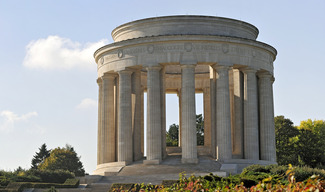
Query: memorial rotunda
185 55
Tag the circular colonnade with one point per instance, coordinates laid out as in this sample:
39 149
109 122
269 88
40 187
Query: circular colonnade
216 56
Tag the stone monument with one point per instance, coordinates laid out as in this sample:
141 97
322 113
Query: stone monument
216 56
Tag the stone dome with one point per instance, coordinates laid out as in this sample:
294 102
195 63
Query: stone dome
184 25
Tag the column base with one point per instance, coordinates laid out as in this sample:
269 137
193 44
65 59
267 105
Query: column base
190 161
152 162
108 169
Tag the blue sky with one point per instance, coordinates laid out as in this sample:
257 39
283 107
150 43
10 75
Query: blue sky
48 90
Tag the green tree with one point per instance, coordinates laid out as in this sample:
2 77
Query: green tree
40 156
172 135
311 142
64 159
199 129
286 136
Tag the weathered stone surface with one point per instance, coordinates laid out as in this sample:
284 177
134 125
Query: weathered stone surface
184 55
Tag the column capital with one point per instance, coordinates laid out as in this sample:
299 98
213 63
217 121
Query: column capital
109 76
220 68
99 81
126 71
188 66
248 70
156 67
264 74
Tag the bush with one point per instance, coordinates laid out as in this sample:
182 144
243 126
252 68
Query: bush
303 173
121 186
19 186
4 181
72 183
48 176
256 168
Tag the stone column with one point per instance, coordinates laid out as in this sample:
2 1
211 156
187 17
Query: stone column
251 138
238 144
100 105
163 111
213 111
179 94
125 148
136 87
207 116
267 130
108 121
116 106
223 114
189 143
154 137
142 120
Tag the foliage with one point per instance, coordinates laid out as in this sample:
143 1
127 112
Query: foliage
34 175
65 159
172 135
199 129
311 144
302 145
173 132
286 141
265 180
40 156
19 186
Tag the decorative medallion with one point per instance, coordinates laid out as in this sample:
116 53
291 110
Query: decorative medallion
101 60
150 49
188 47
120 53
253 53
225 48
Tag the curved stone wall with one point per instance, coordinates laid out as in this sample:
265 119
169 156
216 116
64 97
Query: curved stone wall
216 56
185 25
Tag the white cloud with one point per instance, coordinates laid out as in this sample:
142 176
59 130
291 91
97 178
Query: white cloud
56 52
87 104
9 118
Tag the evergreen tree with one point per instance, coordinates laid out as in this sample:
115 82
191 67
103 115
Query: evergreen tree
40 156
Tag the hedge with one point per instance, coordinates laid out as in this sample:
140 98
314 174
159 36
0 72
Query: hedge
20 186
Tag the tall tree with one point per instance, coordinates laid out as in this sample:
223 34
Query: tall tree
65 159
40 156
286 136
312 142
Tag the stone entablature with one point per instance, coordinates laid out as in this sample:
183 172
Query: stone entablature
218 57
204 50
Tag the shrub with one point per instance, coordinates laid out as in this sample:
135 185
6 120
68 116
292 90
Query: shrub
48 176
121 186
256 168
71 183
4 181
303 173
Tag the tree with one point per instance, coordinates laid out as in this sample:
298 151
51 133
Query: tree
312 142
40 156
286 136
64 159
199 129
172 135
